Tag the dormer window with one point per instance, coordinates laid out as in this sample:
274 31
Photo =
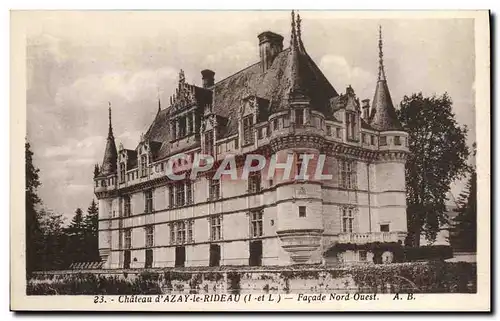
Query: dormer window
351 126
248 136
182 127
144 165
299 117
122 172
209 142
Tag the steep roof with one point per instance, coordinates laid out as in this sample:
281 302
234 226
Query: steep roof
383 115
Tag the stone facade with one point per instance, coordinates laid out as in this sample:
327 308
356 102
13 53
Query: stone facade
280 106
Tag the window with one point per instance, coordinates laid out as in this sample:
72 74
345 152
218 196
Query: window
236 143
248 130
363 138
351 125
260 133
347 219
190 237
286 121
338 132
128 238
179 194
209 142
149 201
384 227
182 127
329 130
275 124
302 211
171 196
372 140
362 256
144 165
299 116
149 259
189 124
397 140
256 223
216 228
189 193
254 183
149 235
122 172
299 167
383 141
181 232
214 189
126 206
347 173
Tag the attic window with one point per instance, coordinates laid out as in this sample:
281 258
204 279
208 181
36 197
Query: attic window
248 130
397 140
144 165
329 130
383 141
299 116
209 142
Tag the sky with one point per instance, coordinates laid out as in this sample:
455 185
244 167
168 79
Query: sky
78 61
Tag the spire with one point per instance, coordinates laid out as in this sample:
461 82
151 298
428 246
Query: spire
293 36
110 154
110 130
383 115
299 33
296 89
381 72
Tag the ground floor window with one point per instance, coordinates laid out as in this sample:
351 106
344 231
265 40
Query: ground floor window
255 253
180 256
149 259
214 255
126 259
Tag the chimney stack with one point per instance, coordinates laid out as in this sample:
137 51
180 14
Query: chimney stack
365 106
207 78
270 45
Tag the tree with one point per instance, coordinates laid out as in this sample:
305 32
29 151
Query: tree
53 255
76 227
91 222
464 235
33 231
91 219
438 156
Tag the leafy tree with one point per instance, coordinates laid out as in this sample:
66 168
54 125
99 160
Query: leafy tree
33 231
438 156
464 235
53 255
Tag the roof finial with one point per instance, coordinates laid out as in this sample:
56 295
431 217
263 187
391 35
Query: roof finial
381 72
159 101
293 35
110 132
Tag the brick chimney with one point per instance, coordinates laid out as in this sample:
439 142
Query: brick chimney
365 107
207 78
270 44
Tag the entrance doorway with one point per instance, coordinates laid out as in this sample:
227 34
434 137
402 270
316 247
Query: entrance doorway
214 255
255 253
180 256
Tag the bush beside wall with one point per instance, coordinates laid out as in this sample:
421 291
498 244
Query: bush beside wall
433 277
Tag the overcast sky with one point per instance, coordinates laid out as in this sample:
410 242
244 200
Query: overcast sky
79 61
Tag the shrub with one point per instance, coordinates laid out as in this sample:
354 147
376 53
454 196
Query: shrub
431 252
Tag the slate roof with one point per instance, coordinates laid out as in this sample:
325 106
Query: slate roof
110 154
383 115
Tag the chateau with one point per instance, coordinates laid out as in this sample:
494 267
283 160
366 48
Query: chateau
282 105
